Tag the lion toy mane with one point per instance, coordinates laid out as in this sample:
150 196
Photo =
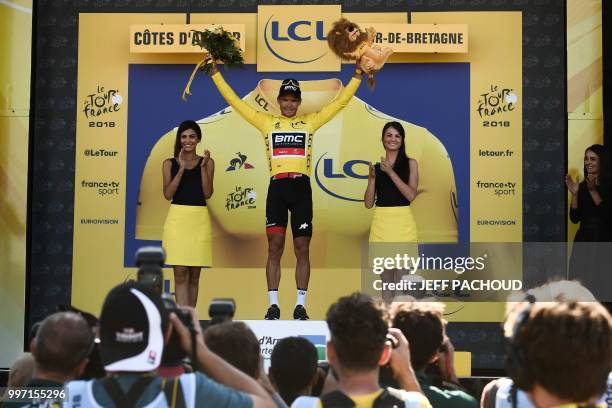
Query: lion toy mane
348 42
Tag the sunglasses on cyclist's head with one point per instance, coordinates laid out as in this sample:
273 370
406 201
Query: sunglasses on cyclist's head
290 82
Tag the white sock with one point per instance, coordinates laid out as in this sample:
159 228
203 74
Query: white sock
273 297
301 297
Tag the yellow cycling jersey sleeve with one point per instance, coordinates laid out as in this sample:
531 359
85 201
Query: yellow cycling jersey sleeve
258 119
318 119
288 140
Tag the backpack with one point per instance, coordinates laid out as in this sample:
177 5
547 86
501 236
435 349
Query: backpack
338 399
170 387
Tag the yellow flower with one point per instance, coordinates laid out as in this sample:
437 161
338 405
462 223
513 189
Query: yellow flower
215 29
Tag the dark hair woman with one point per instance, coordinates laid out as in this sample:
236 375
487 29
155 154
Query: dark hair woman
188 182
591 207
392 186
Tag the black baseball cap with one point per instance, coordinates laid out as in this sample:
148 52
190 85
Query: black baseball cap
290 86
132 325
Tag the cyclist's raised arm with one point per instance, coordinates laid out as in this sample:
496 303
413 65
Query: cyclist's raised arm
251 115
321 117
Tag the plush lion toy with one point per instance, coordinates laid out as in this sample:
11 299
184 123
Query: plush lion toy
348 42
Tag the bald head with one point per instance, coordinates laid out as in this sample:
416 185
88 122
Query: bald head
62 342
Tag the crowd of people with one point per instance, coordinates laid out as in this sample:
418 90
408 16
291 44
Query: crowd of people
146 351
378 355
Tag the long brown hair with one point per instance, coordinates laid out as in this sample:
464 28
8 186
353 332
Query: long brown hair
400 166
188 124
604 162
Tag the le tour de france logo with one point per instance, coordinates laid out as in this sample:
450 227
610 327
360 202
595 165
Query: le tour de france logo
101 102
495 104
295 38
241 197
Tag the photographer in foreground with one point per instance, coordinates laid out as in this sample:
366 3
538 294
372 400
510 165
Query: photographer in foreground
134 327
360 343
559 355
423 326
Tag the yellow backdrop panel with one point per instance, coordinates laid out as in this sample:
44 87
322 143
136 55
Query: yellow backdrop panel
15 43
584 86
98 263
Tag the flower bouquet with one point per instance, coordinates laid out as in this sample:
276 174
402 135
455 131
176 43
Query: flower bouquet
219 45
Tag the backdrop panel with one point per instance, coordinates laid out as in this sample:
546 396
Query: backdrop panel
118 175
53 176
15 42
584 86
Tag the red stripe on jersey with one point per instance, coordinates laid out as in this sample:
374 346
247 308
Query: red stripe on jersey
295 151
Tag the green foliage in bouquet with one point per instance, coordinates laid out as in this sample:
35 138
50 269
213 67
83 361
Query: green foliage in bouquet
221 45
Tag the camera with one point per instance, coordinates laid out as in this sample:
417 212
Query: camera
171 306
221 310
173 352
150 261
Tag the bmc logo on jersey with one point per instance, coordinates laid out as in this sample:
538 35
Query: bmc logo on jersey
342 180
288 144
289 138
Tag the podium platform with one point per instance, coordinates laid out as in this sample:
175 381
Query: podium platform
268 332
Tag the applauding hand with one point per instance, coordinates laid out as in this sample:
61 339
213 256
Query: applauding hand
372 172
386 166
180 160
591 182
205 159
572 185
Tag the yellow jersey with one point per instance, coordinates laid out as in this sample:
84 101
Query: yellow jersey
288 140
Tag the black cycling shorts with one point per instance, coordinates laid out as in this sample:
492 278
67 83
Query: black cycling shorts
289 194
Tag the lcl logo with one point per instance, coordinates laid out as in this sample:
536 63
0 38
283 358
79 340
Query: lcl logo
348 171
292 31
302 30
